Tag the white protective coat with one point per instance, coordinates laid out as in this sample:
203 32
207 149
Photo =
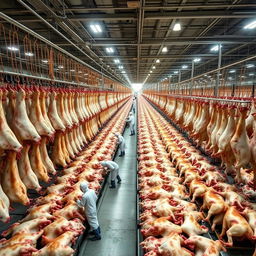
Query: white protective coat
121 142
88 201
113 167
131 121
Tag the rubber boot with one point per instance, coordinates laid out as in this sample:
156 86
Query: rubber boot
118 179
113 184
123 153
97 235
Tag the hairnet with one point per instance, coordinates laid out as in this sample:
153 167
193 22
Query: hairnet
84 186
103 163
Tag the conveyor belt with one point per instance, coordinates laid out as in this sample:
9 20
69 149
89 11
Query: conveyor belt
117 210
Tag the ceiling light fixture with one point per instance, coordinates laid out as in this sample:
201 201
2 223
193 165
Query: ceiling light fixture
45 61
29 54
109 50
116 61
72 70
154 67
60 66
184 66
176 72
215 48
120 67
150 71
96 28
165 49
251 25
177 27
123 72
251 74
157 61
232 71
250 65
13 48
196 59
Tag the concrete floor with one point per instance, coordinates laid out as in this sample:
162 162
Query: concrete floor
117 210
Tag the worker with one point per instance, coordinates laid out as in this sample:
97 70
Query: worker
133 106
131 122
121 143
114 172
88 202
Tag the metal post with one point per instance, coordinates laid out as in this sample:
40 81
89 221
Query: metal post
192 75
216 89
179 77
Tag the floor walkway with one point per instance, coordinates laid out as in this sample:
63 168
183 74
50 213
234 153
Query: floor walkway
117 210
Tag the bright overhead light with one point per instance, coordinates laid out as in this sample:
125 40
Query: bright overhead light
215 48
116 61
60 66
154 67
96 28
184 66
45 61
170 76
176 72
148 74
13 48
196 59
29 54
150 71
251 74
157 61
251 25
232 71
109 50
120 67
136 87
165 49
177 27
72 70
250 65
123 72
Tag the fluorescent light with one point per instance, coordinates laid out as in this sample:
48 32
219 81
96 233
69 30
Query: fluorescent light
177 27
170 76
251 25
96 28
232 71
123 72
72 70
79 71
45 61
184 66
250 65
60 66
176 72
116 61
150 71
215 48
165 49
13 48
157 61
109 50
154 67
251 74
197 59
120 67
30 54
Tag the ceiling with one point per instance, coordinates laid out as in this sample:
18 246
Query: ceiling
138 30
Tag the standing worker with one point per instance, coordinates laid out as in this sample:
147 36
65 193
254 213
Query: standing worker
88 201
121 143
133 106
114 172
131 122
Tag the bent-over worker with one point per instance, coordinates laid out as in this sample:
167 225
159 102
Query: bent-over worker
121 143
114 172
88 202
131 122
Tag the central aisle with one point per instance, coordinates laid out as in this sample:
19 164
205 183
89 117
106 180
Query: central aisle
117 210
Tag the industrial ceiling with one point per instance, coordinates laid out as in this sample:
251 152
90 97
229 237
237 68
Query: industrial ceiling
141 41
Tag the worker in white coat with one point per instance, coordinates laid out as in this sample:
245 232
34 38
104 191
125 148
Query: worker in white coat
121 143
133 106
131 121
113 167
88 202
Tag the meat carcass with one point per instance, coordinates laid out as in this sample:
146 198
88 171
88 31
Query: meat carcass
251 218
11 181
4 206
27 175
21 123
205 246
161 226
197 188
240 144
235 225
8 140
20 249
60 246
